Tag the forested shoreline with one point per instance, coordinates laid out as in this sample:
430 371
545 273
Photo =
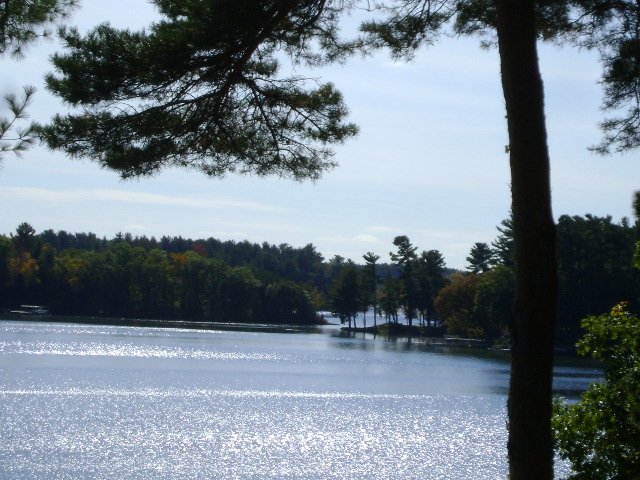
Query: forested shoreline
140 277
208 280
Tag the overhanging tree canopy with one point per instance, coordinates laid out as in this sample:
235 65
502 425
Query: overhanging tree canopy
202 89
22 22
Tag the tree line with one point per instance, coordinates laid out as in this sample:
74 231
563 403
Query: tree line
214 280
595 271
138 277
407 286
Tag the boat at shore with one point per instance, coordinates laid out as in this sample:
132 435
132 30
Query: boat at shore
31 310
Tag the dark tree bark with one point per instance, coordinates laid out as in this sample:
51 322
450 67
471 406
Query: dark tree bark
530 398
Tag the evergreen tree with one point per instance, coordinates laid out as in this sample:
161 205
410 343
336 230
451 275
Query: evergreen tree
406 251
25 239
530 446
22 22
370 282
431 269
14 138
595 268
346 295
503 245
494 302
391 297
201 89
480 258
7 254
406 259
613 29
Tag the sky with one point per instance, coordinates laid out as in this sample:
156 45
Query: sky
429 161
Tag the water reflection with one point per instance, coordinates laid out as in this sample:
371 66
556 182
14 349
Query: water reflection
95 401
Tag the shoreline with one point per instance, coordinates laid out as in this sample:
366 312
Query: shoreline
436 333
159 323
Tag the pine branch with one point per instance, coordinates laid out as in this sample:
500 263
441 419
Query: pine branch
22 138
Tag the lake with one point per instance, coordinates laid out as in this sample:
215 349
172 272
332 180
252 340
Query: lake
111 402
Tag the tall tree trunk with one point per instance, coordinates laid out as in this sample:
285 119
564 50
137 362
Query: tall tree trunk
530 442
375 300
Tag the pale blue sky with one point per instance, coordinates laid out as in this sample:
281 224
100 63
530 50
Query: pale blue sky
429 162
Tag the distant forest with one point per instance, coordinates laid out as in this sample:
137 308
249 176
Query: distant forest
226 281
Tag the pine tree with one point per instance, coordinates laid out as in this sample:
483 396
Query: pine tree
480 258
22 22
370 282
201 89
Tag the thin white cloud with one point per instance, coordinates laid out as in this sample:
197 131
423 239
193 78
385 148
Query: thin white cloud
133 226
223 234
364 238
381 229
67 196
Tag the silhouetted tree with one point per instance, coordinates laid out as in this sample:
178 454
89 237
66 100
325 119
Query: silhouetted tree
391 296
406 259
345 293
480 258
370 281
430 273
503 246
22 22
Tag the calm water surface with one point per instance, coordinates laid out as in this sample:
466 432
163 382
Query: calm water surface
109 402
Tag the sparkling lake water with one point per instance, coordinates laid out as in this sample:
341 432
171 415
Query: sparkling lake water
124 403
